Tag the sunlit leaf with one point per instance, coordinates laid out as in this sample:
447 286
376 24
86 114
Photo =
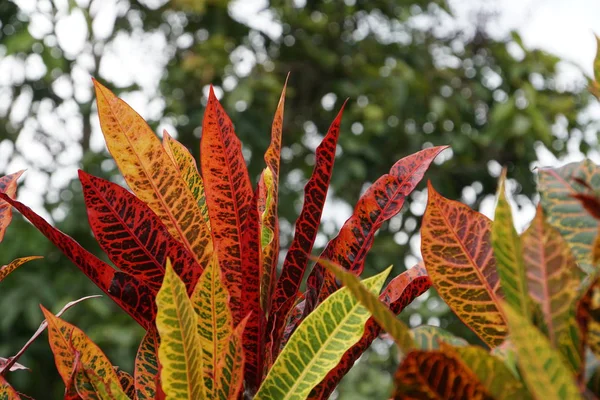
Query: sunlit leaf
229 371
8 185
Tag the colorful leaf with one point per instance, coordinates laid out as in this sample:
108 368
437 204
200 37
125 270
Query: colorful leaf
544 369
127 383
307 225
457 251
6 391
379 203
92 386
308 355
380 312
10 267
566 213
436 375
427 337
493 374
8 185
588 317
133 236
180 351
229 196
267 207
399 293
508 252
188 170
150 173
146 370
215 324
70 346
133 296
230 368
553 280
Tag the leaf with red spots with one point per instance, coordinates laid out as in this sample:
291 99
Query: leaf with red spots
229 196
133 236
399 293
307 225
379 203
268 193
133 296
457 250
8 185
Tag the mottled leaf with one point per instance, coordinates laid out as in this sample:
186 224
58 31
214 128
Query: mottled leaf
6 391
70 347
399 293
146 369
8 185
307 225
427 337
230 368
545 371
566 213
457 251
379 203
150 173
133 236
135 297
553 280
180 351
215 324
380 312
92 386
10 267
437 375
309 356
508 252
127 383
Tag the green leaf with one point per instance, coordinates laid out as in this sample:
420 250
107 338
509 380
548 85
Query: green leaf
509 255
544 369
91 386
428 337
180 351
318 344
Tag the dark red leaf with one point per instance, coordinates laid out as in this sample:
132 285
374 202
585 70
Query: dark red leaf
133 236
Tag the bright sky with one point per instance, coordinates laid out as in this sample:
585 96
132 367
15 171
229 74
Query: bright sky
563 27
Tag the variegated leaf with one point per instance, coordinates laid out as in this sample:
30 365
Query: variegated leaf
8 185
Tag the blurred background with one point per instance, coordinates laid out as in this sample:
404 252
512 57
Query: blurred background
502 82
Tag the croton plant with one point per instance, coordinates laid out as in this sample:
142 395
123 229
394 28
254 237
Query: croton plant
196 250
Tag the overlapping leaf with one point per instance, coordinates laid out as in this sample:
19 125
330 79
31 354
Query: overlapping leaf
493 374
553 280
380 312
546 374
566 213
180 351
457 251
588 317
6 391
400 292
379 203
509 255
70 347
133 236
150 173
146 370
133 296
11 266
437 375
8 185
127 383
307 225
214 319
230 369
229 196
92 386
428 337
188 170
309 356
268 197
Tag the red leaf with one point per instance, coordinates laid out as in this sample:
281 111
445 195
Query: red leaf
379 203
133 236
229 195
136 298
307 225
400 292
8 185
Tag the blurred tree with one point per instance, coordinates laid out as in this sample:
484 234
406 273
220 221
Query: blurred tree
413 78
